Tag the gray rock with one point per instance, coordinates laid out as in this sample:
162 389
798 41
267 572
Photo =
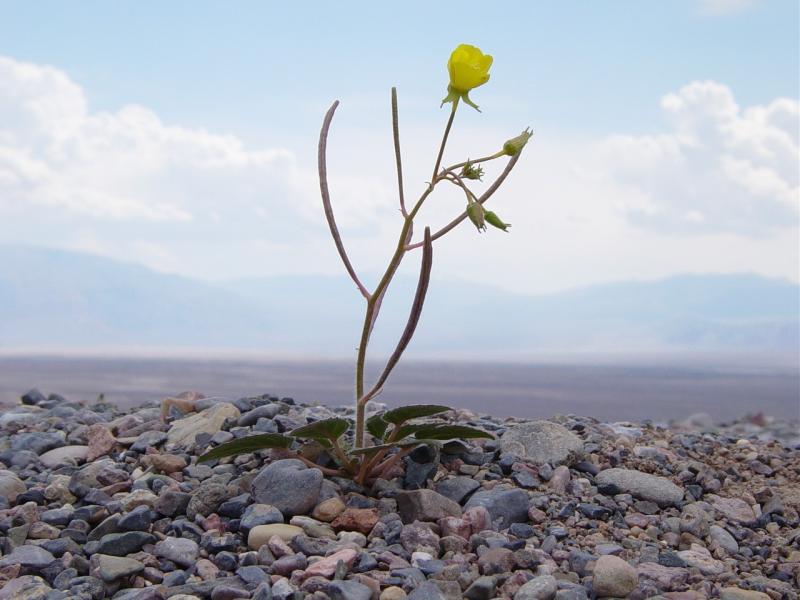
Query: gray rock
64 455
27 587
171 503
181 551
111 568
267 411
457 488
642 485
148 439
426 591
425 505
207 498
259 514
38 441
724 539
483 588
289 486
11 486
95 475
122 544
539 588
507 506
542 442
613 576
28 556
348 590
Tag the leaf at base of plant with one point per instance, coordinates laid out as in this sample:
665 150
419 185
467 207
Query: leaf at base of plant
451 432
250 443
400 415
324 429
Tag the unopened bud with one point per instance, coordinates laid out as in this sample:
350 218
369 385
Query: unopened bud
515 145
494 220
470 171
475 213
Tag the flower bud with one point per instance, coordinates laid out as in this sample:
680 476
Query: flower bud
475 213
470 171
515 145
494 220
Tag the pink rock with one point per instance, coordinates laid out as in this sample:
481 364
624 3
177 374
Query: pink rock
666 578
478 519
278 547
101 441
327 566
560 479
356 519
453 526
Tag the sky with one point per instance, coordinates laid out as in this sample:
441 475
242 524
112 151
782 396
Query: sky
182 136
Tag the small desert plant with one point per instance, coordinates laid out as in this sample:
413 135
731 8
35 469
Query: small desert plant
394 432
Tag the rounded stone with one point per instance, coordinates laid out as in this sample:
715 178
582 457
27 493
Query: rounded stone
642 485
11 486
289 486
328 510
543 587
542 442
613 577
58 456
261 534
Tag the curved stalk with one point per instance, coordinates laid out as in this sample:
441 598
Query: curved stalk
326 198
397 157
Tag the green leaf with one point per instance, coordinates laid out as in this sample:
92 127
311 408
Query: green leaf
403 444
250 443
400 415
324 429
377 426
406 430
451 432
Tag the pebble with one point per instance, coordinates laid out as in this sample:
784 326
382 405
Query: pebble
289 486
543 587
642 485
542 442
614 577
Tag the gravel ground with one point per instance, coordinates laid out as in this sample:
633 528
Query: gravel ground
98 502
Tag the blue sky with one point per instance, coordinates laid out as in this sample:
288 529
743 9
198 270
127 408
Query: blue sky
591 78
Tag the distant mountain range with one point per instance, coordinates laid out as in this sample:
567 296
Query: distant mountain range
57 299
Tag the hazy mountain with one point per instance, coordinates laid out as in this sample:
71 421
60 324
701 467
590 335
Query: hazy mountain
51 298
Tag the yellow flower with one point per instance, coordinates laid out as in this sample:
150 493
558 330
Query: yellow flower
468 68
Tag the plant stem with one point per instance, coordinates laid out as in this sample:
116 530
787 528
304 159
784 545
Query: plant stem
444 140
484 197
373 301
397 157
475 161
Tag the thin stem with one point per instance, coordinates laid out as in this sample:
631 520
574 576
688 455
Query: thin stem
374 300
398 160
326 198
475 161
484 197
444 140
413 318
346 464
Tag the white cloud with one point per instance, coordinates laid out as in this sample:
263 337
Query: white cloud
720 169
725 7
127 185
